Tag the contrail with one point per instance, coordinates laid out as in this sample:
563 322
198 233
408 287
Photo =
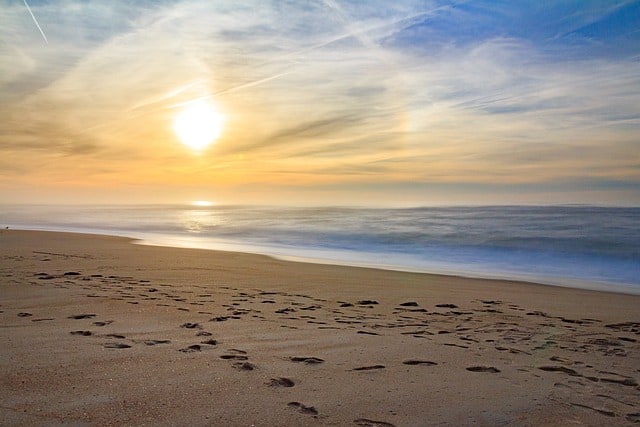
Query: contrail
356 33
361 36
36 21
157 99
232 89
253 83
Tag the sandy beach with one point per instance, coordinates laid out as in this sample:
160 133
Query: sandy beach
97 330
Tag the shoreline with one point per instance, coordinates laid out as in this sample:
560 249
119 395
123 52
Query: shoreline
235 247
100 331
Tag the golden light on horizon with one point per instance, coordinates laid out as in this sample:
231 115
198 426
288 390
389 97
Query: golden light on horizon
198 124
202 203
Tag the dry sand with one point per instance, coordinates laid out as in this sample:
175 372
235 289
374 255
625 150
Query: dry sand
99 331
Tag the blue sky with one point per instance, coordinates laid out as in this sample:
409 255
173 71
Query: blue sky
377 102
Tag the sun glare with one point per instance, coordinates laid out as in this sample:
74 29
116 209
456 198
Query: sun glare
202 203
198 124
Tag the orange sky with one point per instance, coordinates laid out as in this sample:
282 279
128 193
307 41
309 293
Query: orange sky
330 103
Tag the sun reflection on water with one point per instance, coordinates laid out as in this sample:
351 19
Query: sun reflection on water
200 220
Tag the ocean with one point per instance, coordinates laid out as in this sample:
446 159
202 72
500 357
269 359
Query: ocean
578 246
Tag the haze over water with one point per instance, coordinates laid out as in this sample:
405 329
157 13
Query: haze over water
579 246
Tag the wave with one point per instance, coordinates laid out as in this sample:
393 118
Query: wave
545 243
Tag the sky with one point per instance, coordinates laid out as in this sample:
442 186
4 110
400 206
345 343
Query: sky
381 103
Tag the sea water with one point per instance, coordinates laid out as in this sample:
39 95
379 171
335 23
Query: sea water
582 246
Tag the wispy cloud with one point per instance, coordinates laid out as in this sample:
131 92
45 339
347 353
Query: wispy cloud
423 92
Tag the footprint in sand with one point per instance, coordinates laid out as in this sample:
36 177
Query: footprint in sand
369 368
105 323
307 360
489 369
409 304
117 336
303 409
562 369
446 306
116 345
156 342
600 411
190 325
82 316
363 422
23 314
191 349
234 357
244 366
624 381
82 333
281 382
634 417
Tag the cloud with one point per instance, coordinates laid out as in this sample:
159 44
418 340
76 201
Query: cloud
425 92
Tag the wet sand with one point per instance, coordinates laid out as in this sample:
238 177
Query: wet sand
99 331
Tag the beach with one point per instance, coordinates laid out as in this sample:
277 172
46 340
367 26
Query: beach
98 330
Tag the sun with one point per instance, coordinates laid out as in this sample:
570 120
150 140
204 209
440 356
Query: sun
198 124
202 203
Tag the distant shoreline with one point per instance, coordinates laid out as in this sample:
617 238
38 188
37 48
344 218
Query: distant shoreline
246 249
